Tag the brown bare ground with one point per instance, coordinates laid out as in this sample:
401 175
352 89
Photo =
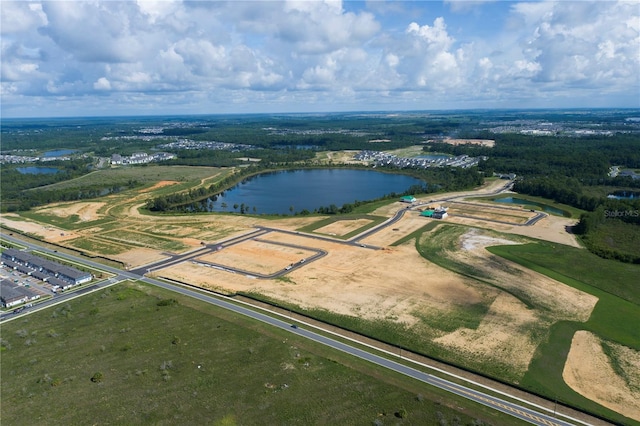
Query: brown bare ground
500 332
483 142
410 222
561 301
349 281
551 228
86 211
159 185
496 338
343 227
139 256
588 371
46 232
257 256
395 283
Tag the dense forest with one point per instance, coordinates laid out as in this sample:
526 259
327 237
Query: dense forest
567 170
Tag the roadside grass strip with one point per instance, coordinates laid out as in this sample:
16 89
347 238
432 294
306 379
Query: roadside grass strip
147 355
143 240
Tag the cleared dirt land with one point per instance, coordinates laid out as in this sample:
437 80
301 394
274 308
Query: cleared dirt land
257 257
588 371
515 306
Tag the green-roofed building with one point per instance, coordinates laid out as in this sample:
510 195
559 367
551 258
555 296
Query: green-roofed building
427 213
408 199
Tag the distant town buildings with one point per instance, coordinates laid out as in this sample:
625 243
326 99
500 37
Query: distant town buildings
189 144
379 158
20 159
141 158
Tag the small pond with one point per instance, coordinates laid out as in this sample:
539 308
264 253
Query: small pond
539 206
58 153
624 195
35 170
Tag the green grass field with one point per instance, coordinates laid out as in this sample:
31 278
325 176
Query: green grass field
136 354
145 175
139 239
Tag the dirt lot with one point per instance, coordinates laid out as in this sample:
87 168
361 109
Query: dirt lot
47 232
343 227
482 142
410 222
258 257
588 371
394 283
86 211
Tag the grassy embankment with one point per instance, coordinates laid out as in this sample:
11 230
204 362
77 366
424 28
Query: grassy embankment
137 354
615 317
539 204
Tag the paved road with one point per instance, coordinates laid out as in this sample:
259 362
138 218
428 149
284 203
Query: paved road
516 410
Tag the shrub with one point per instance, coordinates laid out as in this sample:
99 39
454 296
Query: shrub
97 377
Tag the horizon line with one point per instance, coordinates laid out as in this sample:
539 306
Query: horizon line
390 111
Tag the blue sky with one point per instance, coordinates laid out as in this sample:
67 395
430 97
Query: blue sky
71 58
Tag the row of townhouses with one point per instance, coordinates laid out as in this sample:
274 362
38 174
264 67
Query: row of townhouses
54 273
12 294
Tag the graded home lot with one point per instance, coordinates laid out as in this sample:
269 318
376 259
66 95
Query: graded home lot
137 354
436 291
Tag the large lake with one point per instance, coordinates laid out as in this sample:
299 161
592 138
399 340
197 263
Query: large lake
277 192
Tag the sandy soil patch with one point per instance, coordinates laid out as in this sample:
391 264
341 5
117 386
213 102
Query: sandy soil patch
559 300
551 228
257 256
474 240
515 216
482 142
495 337
138 257
410 222
588 371
47 232
345 157
159 185
343 227
351 281
86 211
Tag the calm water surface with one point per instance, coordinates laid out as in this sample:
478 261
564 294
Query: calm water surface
278 192
543 207
34 170
58 153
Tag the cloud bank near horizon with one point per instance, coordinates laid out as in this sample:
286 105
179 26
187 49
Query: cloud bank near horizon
148 57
